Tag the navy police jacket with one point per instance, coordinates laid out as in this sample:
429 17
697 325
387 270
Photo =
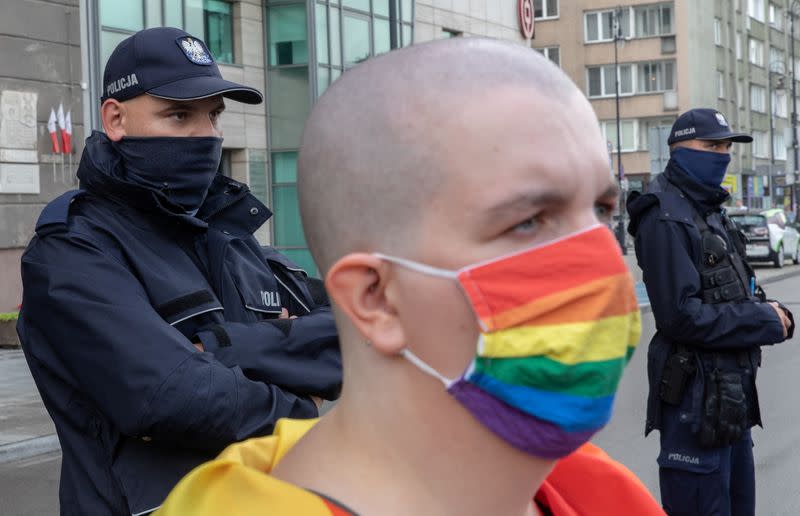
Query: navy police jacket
668 250
118 285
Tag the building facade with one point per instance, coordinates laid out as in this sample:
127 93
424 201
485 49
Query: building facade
735 55
732 55
54 53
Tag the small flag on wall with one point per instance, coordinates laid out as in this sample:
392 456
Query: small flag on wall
51 128
66 134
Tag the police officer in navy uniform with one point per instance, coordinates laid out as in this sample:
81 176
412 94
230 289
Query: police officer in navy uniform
711 320
157 329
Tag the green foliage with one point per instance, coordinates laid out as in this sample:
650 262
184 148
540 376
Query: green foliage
8 316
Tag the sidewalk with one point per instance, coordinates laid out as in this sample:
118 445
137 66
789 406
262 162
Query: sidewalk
25 427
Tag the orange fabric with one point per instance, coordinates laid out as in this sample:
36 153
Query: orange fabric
591 301
589 482
553 273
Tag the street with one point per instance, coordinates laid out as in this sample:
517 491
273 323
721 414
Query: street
30 487
776 452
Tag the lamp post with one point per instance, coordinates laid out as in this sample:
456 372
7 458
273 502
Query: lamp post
793 188
772 70
617 29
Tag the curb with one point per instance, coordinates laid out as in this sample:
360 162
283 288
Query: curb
28 448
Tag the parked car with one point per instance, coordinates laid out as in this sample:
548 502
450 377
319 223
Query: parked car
770 238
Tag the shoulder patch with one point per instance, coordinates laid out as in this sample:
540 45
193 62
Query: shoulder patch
56 214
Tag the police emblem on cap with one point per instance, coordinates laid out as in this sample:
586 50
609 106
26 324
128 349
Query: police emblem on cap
195 50
721 120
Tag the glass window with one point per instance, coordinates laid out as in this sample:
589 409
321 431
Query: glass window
599 26
760 145
322 34
122 15
551 53
625 80
592 27
609 81
356 38
758 99
284 167
288 37
653 20
545 8
288 226
656 76
323 79
595 82
756 52
627 130
108 42
153 13
717 31
779 146
362 5
218 24
720 85
407 12
407 36
336 42
381 7
258 175
381 36
289 105
755 9
173 13
193 15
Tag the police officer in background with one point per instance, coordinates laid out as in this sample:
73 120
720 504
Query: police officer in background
157 329
711 320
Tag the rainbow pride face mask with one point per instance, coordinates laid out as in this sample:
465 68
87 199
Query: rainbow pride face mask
558 322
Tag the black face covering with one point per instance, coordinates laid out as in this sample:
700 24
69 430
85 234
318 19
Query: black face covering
182 168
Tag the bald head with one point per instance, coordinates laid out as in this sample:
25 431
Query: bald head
375 150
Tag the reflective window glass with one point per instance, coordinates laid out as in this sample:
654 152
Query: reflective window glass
380 7
288 37
407 11
193 15
381 36
173 13
356 38
289 105
335 39
284 167
356 4
323 79
288 227
122 15
153 8
219 29
322 34
108 42
407 36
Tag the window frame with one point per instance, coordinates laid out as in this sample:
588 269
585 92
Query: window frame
606 124
603 68
547 15
758 44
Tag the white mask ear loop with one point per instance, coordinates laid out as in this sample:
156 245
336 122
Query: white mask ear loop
419 267
425 368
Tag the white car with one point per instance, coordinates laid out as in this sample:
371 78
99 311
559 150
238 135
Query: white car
769 236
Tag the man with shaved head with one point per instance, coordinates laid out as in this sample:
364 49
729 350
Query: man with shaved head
454 194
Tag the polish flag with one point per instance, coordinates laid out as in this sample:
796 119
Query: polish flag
66 134
51 128
62 124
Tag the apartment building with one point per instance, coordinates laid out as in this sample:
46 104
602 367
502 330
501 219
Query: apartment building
734 55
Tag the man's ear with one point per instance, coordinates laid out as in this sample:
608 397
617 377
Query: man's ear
361 286
113 116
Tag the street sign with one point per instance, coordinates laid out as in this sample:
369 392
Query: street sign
526 19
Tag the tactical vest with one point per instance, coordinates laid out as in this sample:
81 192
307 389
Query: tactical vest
723 271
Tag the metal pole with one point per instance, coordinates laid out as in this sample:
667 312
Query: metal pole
620 223
771 121
793 190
